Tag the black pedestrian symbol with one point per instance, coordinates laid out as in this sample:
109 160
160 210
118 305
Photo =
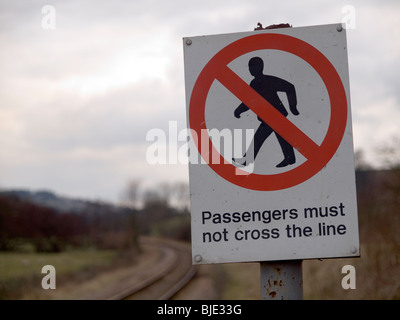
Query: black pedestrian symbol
268 87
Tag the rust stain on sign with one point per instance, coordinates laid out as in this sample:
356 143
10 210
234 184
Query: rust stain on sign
272 26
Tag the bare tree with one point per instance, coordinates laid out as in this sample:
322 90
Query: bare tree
131 200
181 195
390 154
165 192
359 159
130 195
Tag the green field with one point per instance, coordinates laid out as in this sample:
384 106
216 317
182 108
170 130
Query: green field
22 271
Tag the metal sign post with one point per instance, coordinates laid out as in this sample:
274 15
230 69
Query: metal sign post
281 280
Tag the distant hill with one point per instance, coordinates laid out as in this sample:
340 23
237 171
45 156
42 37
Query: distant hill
51 200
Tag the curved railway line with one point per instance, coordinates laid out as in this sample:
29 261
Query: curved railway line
165 278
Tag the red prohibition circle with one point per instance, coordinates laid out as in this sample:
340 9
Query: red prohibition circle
317 158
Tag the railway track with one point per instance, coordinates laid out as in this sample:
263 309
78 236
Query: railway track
165 278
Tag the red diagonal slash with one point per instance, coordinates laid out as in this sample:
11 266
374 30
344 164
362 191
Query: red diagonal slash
278 122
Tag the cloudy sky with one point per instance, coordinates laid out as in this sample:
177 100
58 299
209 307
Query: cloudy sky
81 89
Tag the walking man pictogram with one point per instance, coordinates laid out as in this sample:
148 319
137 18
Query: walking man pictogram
268 87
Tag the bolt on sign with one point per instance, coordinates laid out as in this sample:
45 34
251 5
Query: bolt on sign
271 160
